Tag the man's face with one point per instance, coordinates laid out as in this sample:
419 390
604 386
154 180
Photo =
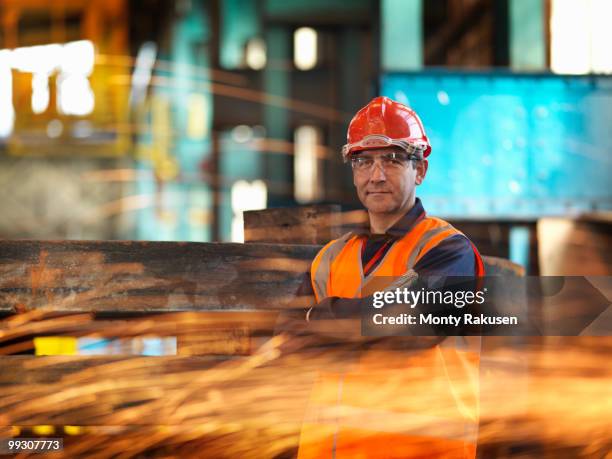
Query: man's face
388 189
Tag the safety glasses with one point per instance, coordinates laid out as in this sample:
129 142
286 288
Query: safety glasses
391 161
382 141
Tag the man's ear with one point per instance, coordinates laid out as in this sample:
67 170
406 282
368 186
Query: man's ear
421 169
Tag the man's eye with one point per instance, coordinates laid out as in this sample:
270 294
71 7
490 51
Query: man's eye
392 161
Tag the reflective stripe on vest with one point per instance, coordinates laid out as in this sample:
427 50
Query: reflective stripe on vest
337 269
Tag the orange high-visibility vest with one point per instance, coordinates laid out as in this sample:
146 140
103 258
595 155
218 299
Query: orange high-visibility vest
422 404
392 405
337 271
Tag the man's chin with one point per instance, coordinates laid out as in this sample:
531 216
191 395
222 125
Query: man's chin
380 208
379 203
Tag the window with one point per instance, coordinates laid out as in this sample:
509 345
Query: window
580 36
246 196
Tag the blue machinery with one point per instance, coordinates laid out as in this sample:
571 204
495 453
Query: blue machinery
512 145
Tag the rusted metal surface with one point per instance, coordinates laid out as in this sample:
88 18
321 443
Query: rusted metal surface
132 277
305 225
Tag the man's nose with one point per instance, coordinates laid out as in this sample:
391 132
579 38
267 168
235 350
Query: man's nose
378 172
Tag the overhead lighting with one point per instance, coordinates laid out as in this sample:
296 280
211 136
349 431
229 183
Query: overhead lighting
256 53
305 48
41 61
306 167
40 92
78 58
74 94
37 59
73 60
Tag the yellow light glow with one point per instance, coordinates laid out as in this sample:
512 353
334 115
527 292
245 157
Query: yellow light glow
197 116
43 430
55 345
73 430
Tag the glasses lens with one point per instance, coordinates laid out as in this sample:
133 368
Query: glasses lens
362 162
392 160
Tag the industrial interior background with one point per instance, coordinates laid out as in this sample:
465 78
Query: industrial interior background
165 120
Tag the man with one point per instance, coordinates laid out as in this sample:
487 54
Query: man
388 149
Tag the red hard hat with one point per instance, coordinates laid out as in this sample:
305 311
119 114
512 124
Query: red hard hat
384 123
